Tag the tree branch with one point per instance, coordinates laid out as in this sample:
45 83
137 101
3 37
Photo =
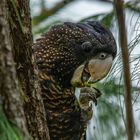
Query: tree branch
20 28
126 68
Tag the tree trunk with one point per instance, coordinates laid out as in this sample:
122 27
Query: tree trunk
10 100
20 52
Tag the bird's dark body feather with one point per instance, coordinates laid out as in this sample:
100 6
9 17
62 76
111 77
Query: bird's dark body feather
57 54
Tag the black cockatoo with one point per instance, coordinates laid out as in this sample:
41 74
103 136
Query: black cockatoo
67 56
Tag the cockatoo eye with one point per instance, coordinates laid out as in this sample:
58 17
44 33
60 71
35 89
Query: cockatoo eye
102 55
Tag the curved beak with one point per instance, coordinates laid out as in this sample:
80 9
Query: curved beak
98 68
95 70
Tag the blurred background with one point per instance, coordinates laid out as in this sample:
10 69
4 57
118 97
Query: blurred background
108 122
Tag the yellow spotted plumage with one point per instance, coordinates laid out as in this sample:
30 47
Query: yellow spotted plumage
57 54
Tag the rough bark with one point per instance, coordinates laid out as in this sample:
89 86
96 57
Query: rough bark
10 99
20 27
